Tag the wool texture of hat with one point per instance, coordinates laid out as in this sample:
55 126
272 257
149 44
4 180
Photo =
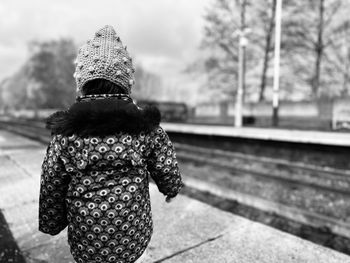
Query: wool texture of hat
104 57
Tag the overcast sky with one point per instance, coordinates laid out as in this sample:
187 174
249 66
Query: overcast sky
163 35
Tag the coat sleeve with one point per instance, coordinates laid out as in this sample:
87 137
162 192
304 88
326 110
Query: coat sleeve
53 188
162 164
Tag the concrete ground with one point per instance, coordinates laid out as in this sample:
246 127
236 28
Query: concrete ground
185 231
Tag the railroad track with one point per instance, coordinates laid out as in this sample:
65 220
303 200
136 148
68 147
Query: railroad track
324 179
294 174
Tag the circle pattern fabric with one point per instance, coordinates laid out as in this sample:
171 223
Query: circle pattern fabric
99 188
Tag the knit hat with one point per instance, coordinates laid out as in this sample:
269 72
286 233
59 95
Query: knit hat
104 57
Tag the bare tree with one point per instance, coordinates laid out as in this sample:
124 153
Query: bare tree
267 16
221 45
308 31
221 39
314 37
338 58
15 89
147 84
51 66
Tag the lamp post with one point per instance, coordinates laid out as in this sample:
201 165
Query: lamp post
241 65
276 75
243 41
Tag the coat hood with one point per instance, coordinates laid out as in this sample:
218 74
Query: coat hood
106 116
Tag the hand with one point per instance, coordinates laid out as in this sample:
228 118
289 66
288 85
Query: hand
168 199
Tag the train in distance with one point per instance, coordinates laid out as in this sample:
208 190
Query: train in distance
170 111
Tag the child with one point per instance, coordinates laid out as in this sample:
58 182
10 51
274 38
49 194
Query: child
95 173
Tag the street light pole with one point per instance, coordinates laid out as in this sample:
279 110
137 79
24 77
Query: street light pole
241 70
276 75
239 95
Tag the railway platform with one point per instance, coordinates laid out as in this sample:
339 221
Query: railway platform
186 230
267 134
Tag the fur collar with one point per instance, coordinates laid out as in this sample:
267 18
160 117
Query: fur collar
103 117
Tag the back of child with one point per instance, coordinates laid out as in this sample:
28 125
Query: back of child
95 175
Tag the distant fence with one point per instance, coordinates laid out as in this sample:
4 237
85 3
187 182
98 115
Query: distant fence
335 113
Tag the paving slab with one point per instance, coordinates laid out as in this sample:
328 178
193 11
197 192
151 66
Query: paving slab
253 242
185 230
10 141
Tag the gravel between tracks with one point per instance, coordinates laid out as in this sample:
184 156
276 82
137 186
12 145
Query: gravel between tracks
330 204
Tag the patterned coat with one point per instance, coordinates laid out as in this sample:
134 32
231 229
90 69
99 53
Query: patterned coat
95 177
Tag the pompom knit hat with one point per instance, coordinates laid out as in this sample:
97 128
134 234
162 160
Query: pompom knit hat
104 57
